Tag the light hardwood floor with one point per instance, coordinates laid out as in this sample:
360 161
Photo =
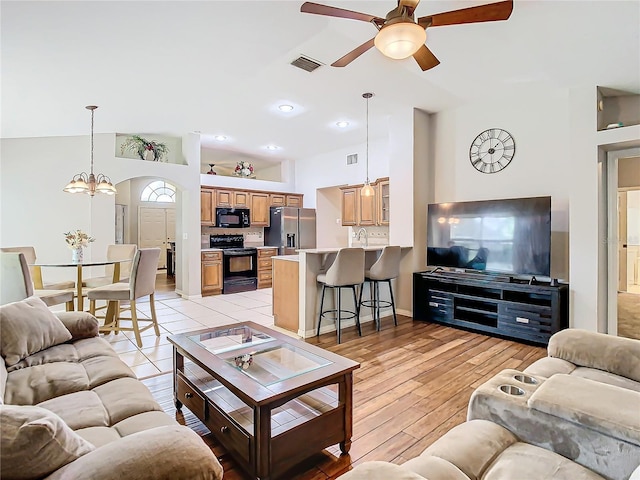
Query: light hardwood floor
413 385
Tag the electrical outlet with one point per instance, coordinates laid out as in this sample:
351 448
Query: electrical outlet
184 236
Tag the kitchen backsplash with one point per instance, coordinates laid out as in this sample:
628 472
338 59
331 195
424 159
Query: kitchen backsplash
375 236
253 236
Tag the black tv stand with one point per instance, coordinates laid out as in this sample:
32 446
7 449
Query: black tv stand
503 306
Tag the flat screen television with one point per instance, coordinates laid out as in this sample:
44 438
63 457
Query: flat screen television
509 236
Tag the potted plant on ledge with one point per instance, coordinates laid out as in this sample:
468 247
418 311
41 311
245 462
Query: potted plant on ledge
146 149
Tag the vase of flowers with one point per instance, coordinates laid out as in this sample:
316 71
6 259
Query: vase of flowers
146 149
77 240
244 169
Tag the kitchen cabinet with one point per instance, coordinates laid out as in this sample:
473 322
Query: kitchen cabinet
224 198
265 265
359 211
294 201
259 209
241 199
367 208
207 206
211 273
277 200
383 201
350 206
255 200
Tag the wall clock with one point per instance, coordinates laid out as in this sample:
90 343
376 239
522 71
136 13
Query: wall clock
492 150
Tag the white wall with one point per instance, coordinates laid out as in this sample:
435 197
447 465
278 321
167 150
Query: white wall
329 229
330 168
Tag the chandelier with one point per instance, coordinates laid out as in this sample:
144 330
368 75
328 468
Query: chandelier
90 184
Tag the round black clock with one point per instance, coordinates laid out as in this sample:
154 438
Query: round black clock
492 150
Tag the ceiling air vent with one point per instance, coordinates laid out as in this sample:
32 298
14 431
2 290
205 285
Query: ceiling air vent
351 159
305 63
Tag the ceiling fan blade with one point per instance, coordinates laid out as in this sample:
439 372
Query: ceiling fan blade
425 58
353 54
317 9
482 13
410 5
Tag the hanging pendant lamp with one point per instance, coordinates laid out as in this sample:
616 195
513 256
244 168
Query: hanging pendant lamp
367 190
90 184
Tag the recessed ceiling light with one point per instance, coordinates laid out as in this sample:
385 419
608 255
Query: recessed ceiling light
220 138
342 124
272 147
285 108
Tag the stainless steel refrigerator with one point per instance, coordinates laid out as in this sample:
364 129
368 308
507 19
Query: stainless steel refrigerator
291 229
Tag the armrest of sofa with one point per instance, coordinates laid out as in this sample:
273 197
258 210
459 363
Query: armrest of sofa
161 453
80 324
597 350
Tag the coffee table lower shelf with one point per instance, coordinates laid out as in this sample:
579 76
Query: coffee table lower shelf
267 440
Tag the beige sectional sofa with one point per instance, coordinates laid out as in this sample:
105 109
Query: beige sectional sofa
570 416
71 409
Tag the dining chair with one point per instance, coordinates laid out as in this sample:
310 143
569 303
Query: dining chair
36 271
114 252
142 283
16 283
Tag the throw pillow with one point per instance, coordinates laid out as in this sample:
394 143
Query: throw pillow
27 327
36 442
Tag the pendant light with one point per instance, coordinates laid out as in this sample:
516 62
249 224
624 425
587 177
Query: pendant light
367 190
90 184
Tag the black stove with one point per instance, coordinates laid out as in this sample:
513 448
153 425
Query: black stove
240 263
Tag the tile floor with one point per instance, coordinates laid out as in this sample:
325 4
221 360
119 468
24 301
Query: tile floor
177 315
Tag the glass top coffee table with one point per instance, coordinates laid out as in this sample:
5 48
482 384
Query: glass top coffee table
270 399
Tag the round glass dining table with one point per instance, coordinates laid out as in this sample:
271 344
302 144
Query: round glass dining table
37 273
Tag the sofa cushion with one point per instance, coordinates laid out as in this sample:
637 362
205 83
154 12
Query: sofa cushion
484 440
610 410
377 470
36 442
63 369
28 327
522 460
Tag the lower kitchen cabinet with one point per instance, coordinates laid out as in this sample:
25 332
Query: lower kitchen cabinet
265 265
211 271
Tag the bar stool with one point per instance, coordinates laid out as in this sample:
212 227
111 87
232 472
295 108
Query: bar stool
386 268
347 271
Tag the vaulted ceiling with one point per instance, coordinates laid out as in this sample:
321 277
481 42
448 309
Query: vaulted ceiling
223 67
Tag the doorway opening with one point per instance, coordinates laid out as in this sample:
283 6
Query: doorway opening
151 204
624 243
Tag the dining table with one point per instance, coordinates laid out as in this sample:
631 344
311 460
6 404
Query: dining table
39 285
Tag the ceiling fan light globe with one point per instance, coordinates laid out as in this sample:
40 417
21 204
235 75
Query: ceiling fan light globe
400 40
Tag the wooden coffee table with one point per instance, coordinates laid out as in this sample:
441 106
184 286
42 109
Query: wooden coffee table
270 399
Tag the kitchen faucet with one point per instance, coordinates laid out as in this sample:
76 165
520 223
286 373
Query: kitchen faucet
366 236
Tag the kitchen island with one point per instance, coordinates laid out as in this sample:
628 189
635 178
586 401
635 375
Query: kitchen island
306 265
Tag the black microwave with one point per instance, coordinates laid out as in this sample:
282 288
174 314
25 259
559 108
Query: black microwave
232 217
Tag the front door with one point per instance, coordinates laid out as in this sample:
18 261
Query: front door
156 227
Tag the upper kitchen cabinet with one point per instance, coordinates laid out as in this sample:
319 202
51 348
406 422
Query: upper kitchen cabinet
383 201
350 205
207 206
366 211
294 201
259 209
277 200
367 208
241 199
224 198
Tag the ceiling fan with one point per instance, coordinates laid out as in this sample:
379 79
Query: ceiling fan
400 35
